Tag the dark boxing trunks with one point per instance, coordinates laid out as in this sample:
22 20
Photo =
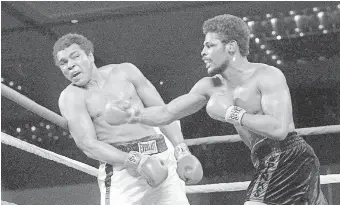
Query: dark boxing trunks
287 172
150 145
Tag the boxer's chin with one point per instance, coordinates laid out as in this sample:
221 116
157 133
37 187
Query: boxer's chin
80 82
214 70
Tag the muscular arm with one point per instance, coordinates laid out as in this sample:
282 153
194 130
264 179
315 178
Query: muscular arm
156 112
73 108
276 105
178 108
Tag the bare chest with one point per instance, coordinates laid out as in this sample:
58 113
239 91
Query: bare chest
248 97
114 89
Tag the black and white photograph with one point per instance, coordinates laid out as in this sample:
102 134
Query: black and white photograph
170 103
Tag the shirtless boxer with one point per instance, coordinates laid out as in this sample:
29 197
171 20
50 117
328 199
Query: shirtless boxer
255 98
138 166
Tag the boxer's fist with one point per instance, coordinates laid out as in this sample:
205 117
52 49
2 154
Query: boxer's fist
218 105
118 112
189 168
151 168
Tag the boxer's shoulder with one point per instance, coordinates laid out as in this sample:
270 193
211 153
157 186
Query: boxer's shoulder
107 69
209 81
266 73
72 89
71 99
265 70
72 92
203 86
122 68
213 83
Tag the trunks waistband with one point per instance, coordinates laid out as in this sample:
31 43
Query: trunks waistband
267 146
149 145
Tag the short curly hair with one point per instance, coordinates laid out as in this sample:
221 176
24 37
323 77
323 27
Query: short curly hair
230 27
69 39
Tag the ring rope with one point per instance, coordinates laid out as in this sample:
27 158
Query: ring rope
221 187
7 203
330 129
62 122
59 120
239 186
9 140
29 104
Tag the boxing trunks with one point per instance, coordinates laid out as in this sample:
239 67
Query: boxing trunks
118 186
287 172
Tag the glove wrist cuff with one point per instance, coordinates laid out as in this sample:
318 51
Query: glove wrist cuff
234 114
181 150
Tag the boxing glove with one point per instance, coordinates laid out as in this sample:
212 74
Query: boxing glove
220 107
118 112
151 168
189 168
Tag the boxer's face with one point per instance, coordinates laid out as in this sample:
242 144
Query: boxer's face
75 64
214 54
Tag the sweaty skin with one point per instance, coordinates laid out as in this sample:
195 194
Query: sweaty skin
264 95
83 104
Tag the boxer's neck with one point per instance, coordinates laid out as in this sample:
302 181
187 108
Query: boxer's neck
96 80
238 70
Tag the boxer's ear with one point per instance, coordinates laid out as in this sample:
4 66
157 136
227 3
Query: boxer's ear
91 57
232 46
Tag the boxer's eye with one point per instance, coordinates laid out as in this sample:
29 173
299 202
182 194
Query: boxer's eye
75 56
62 63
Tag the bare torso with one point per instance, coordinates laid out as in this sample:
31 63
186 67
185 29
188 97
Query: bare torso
116 87
248 97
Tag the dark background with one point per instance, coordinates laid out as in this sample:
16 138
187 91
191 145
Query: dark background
164 40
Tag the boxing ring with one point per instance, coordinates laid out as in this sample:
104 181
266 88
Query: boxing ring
208 188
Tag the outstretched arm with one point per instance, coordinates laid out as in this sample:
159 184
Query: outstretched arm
178 108
153 114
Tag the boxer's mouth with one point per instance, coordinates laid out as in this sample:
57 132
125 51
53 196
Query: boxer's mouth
207 63
75 74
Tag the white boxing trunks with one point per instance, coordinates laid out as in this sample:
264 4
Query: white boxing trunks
120 187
